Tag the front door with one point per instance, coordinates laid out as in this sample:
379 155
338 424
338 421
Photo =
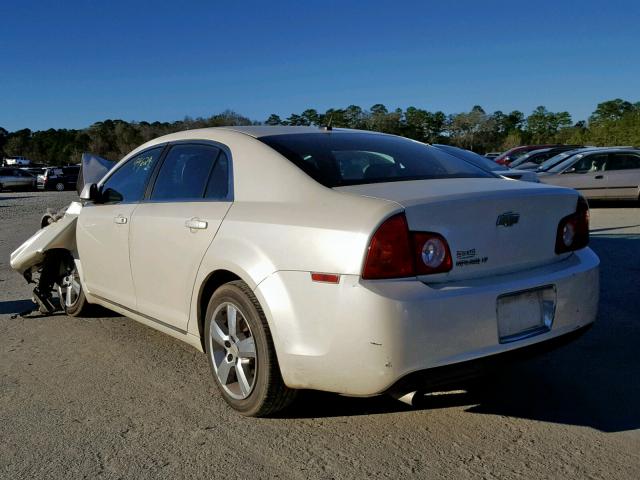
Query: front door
171 231
102 232
585 175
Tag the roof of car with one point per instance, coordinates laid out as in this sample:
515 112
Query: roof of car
258 131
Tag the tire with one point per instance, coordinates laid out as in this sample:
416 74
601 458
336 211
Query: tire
59 186
245 352
72 299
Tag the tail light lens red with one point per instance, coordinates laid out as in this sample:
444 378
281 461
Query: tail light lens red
573 230
394 252
390 254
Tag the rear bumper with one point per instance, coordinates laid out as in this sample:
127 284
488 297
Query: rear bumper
457 373
361 337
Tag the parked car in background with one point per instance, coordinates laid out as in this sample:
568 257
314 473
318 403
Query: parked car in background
510 155
33 170
514 153
59 178
605 173
309 258
532 160
16 161
561 157
12 178
486 164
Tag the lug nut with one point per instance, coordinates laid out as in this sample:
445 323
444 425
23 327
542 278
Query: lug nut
227 344
229 358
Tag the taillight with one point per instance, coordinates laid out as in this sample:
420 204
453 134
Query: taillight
394 252
390 254
573 230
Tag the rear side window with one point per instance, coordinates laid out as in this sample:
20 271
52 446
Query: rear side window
339 158
218 186
622 161
128 182
185 173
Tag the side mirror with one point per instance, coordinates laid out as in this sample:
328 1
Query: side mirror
570 170
90 192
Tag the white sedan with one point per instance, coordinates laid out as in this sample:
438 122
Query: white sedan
311 258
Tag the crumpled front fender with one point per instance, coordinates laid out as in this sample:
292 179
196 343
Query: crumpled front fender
60 234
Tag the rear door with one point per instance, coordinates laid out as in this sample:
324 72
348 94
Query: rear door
23 179
102 232
621 175
172 229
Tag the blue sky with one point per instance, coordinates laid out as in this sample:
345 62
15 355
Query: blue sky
67 64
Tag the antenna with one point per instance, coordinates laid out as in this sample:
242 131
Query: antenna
328 126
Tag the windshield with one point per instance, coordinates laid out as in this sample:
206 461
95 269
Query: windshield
472 157
343 158
547 164
528 157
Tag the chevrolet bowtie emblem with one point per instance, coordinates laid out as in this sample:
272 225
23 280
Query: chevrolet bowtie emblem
507 219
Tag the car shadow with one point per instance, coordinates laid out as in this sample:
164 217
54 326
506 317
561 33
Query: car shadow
16 306
614 203
29 309
591 382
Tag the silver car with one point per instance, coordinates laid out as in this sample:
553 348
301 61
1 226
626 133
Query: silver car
606 173
487 164
16 179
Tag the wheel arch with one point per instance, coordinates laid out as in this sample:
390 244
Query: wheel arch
211 283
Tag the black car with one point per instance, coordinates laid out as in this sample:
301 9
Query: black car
59 178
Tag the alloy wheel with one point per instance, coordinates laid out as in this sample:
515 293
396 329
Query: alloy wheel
232 350
69 289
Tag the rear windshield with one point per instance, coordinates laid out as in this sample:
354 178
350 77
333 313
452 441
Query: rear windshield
335 159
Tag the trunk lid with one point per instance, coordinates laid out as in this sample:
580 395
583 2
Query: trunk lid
493 226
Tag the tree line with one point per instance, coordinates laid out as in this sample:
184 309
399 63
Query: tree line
613 122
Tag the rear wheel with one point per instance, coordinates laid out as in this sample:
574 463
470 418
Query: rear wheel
60 186
241 354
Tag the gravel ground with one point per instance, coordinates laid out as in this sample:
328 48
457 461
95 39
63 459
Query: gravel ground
110 398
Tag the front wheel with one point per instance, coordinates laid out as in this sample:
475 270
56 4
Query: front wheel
72 298
60 186
241 354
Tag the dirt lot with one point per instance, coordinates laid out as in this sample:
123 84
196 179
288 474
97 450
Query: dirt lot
109 398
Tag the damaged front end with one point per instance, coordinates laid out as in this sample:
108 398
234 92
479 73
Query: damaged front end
49 256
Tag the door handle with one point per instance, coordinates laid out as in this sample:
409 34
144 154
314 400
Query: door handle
196 223
120 220
599 177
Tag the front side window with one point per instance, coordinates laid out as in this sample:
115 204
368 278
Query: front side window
127 183
580 164
337 158
185 173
